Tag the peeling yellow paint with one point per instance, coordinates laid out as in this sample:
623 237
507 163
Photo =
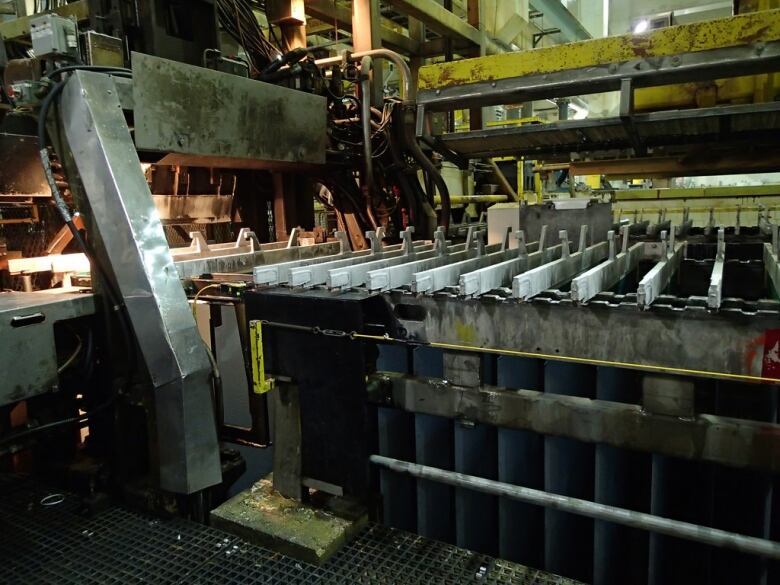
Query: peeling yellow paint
687 38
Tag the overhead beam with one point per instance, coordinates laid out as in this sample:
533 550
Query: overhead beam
708 163
341 17
446 23
438 19
743 30
556 15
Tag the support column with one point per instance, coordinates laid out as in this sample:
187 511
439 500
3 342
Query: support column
290 16
472 15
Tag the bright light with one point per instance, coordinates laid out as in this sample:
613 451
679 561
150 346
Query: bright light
580 113
641 26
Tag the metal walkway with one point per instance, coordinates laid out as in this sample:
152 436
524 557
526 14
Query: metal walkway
56 544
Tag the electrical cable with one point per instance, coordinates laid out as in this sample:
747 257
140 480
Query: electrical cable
72 358
113 295
10 439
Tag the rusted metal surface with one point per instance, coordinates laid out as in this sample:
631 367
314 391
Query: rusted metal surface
701 36
727 441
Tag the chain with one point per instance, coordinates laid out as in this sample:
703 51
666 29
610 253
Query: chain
356 336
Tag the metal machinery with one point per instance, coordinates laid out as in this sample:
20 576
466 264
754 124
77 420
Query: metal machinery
605 411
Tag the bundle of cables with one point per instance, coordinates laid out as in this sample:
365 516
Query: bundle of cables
238 20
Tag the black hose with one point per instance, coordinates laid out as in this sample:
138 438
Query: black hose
67 216
10 439
288 58
427 164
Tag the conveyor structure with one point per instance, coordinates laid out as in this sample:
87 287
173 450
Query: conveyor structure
586 394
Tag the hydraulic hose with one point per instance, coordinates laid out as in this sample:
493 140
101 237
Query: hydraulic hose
410 139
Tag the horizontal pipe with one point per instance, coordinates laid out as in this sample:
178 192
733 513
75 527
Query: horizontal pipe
408 88
469 199
657 524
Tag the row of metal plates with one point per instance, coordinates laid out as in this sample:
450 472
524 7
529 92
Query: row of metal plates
527 270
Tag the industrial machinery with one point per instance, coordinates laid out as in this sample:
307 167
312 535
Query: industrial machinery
570 389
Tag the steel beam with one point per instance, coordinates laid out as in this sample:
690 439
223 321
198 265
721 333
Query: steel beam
607 274
438 19
556 15
129 235
715 291
646 51
341 17
726 441
662 338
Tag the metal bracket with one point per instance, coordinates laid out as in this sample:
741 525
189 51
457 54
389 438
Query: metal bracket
609 273
659 277
260 382
554 274
715 291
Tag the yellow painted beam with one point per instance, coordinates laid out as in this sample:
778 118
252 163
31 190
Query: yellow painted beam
685 38
19 28
697 193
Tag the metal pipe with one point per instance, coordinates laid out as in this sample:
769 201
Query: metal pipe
365 114
503 180
427 165
365 106
685 530
469 199
408 89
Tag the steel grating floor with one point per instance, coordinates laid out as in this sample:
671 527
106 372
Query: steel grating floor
55 544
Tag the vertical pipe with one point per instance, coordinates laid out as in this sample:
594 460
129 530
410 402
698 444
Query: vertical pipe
433 446
476 514
681 490
396 435
521 462
623 481
569 470
368 159
743 498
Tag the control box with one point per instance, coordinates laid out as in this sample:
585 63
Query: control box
54 37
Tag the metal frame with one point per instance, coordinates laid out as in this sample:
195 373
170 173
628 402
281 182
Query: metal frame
702 437
609 330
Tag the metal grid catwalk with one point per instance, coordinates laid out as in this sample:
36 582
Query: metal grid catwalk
56 544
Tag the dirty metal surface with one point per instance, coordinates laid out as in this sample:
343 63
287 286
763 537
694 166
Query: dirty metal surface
27 336
57 544
215 116
733 31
